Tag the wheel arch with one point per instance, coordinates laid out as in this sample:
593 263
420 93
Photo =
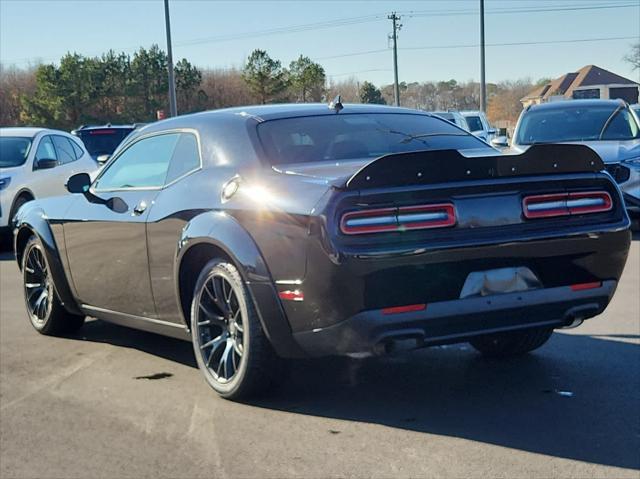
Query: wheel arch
33 223
22 193
214 234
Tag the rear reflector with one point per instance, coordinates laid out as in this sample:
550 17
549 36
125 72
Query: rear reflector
565 204
583 286
296 295
404 309
398 219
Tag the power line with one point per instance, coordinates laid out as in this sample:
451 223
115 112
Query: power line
361 20
475 45
504 11
360 71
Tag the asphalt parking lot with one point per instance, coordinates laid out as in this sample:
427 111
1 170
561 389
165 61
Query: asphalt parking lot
114 402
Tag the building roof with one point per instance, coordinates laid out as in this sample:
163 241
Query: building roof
565 85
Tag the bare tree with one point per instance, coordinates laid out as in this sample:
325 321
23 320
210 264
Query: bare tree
633 57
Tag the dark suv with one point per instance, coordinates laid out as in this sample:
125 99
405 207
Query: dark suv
102 140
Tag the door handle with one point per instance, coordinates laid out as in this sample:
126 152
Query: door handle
140 207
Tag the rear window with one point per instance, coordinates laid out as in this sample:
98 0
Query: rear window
577 122
13 150
358 136
103 141
474 122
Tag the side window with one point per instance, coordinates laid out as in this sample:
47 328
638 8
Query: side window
45 150
143 165
77 149
64 149
186 157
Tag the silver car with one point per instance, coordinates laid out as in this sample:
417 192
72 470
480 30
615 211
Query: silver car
36 163
479 125
610 127
454 117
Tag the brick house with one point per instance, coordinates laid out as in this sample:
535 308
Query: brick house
588 82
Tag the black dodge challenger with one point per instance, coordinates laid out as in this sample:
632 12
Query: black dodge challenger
273 232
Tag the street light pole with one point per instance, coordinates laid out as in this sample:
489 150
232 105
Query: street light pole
173 107
483 84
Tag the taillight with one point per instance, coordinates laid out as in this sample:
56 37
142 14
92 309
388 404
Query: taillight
398 219
565 204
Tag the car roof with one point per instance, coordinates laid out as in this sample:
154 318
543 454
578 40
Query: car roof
29 132
293 110
107 126
558 105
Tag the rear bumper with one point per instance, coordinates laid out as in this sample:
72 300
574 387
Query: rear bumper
457 320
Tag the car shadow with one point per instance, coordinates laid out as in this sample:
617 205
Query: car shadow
577 398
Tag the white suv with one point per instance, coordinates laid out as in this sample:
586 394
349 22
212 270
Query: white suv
36 163
479 125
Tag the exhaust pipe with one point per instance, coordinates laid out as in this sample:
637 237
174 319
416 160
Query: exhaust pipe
574 323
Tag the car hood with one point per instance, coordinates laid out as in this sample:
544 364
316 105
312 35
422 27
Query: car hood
610 151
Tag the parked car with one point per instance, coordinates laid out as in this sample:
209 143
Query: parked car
102 140
454 117
479 125
607 126
287 231
36 163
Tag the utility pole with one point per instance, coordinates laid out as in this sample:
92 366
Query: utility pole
394 36
483 84
173 107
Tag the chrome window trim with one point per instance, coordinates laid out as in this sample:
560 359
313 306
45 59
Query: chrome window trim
173 131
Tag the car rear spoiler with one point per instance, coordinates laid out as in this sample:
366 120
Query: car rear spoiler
439 166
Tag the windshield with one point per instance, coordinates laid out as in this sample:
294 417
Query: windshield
103 142
358 136
576 122
13 150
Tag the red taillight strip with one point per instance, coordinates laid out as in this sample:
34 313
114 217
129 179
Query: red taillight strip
583 286
428 216
564 204
356 222
404 309
382 220
576 208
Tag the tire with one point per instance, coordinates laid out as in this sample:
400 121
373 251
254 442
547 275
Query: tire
46 313
231 349
513 343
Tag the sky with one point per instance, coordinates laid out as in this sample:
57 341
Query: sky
438 39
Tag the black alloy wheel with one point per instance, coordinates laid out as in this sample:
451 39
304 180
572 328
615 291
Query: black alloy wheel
230 346
220 328
45 310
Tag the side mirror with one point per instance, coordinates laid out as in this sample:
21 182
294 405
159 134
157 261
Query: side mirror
46 163
79 183
500 142
491 131
102 159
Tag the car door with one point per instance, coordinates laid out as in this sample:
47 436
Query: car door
45 182
186 194
105 230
